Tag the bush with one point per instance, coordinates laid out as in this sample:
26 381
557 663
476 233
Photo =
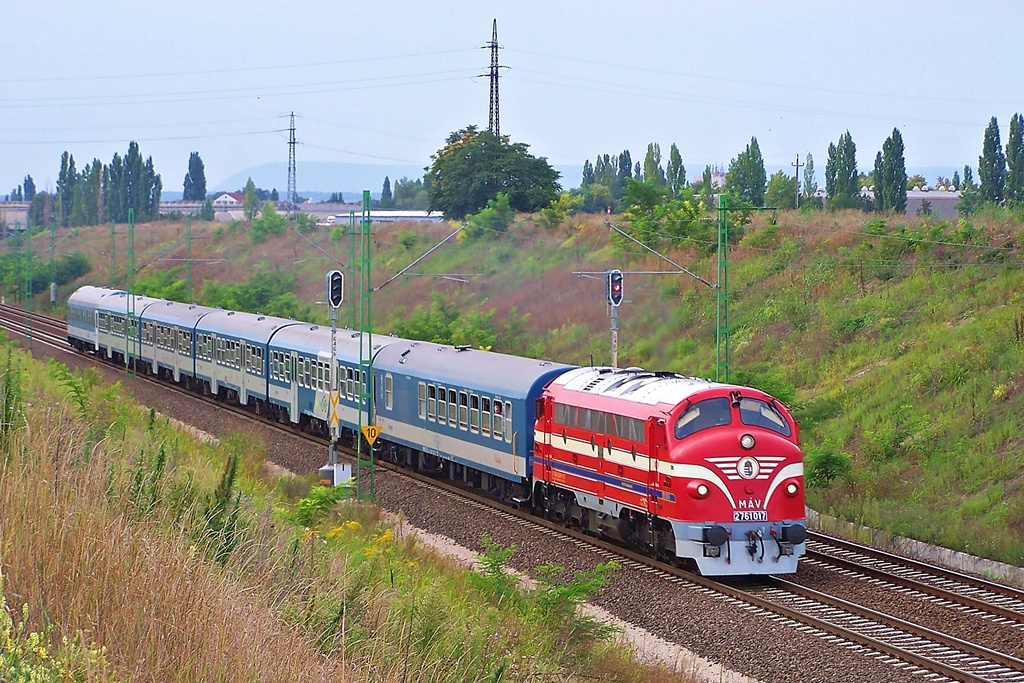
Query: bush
824 466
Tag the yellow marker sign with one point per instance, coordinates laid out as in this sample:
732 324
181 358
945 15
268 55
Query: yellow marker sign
371 432
334 419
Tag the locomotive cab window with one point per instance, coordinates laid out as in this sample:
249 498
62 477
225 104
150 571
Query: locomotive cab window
712 412
758 413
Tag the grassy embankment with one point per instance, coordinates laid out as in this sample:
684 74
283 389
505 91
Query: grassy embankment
898 340
132 551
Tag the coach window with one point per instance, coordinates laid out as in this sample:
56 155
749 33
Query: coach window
431 402
452 408
485 418
499 420
389 392
442 405
474 413
421 400
463 410
289 369
508 421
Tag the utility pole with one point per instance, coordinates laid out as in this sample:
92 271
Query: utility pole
798 165
292 191
188 259
365 482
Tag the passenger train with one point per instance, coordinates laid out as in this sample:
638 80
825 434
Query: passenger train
685 469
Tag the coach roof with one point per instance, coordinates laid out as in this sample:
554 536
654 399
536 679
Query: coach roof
249 326
462 366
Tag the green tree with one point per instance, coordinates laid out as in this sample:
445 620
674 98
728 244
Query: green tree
251 203
842 183
66 188
474 166
956 180
746 176
207 213
493 219
781 192
410 194
386 199
675 171
28 189
992 165
195 179
270 222
890 175
810 183
1015 160
653 172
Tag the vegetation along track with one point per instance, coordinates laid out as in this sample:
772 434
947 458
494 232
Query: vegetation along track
886 645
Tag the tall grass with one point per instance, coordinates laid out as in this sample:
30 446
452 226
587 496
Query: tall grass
176 560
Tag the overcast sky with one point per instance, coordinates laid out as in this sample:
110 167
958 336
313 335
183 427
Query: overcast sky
386 82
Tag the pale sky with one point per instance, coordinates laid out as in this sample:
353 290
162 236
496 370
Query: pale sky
386 82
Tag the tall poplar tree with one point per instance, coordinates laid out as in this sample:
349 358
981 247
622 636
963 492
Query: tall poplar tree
992 165
195 180
1015 160
810 184
66 188
830 171
653 172
675 171
890 175
386 198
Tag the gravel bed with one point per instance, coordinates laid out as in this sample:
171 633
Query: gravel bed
948 619
752 644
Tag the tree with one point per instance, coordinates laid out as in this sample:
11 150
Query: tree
28 189
781 190
746 176
195 179
890 176
474 166
207 213
386 200
956 180
841 179
653 172
810 184
66 188
1015 160
675 171
992 165
251 203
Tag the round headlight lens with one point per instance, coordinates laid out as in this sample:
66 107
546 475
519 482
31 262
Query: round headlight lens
747 441
702 490
792 488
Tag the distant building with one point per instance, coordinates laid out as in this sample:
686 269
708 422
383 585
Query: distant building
941 202
395 215
226 201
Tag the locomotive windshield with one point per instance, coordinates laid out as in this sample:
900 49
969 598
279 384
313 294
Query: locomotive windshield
758 413
703 414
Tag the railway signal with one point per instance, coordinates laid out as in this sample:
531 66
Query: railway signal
335 288
614 282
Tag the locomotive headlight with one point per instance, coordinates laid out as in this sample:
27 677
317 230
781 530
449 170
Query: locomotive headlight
792 488
747 441
698 489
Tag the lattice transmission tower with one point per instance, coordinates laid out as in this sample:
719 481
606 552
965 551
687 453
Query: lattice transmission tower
493 124
293 195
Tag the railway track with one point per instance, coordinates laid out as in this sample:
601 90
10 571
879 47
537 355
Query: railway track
891 640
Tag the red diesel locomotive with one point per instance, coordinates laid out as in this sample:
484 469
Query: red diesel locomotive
684 468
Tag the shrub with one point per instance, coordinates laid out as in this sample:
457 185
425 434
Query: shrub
824 466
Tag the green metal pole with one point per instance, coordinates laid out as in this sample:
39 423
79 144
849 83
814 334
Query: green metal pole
722 333
367 385
28 281
113 252
131 337
53 263
188 259
350 277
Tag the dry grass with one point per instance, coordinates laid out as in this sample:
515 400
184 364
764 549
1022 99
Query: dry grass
162 611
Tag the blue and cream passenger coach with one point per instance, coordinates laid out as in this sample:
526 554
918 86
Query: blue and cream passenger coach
473 408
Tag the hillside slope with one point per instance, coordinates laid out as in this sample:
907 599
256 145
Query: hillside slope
899 341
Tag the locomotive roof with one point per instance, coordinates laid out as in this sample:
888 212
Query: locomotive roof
462 366
634 384
249 326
